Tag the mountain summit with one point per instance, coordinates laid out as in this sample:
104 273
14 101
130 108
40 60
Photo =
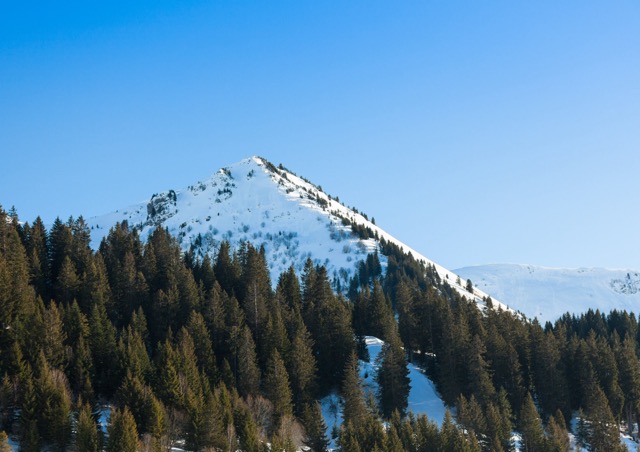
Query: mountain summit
269 206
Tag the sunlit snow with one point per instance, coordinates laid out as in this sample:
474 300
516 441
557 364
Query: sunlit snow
423 398
548 293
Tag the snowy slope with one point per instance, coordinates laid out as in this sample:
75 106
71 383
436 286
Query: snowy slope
423 398
254 201
547 293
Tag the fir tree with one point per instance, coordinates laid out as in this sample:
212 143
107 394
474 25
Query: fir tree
315 427
122 432
557 436
246 429
87 439
602 430
246 369
353 406
276 384
629 366
531 427
302 369
392 377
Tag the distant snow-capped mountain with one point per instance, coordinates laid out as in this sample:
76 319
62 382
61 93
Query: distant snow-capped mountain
268 206
548 293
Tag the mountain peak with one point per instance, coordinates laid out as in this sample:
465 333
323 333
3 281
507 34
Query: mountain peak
255 201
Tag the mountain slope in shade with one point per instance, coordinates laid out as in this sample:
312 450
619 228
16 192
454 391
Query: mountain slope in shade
254 201
548 293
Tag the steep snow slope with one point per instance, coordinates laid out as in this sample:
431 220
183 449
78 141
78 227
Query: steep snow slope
547 293
423 397
254 201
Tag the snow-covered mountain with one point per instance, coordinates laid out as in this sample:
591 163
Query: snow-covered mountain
269 206
548 293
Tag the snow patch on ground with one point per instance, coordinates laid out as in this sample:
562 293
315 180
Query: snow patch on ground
423 398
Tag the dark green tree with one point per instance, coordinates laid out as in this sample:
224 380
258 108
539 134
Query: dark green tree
530 425
245 363
354 409
601 428
277 389
87 439
315 428
122 432
392 377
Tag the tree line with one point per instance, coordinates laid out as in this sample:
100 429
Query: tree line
210 351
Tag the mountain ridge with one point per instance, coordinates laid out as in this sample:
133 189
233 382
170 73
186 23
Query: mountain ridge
549 292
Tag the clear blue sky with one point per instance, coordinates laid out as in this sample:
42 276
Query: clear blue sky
476 132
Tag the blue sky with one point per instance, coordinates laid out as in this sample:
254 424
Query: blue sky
476 132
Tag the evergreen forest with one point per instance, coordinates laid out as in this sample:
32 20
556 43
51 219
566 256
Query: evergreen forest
210 354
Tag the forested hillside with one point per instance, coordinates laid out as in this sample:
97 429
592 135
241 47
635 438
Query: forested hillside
212 352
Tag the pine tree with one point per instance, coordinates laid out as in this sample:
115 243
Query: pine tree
246 429
602 429
155 419
186 365
122 432
470 416
479 379
353 406
393 443
302 369
81 369
213 432
407 319
68 283
329 321
499 420
37 250
226 271
133 355
168 383
392 376
59 245
348 439
246 364
316 428
30 436
557 435
381 314
255 289
94 287
17 297
276 384
288 290
87 434
629 366
531 426
203 347
426 434
54 404
102 341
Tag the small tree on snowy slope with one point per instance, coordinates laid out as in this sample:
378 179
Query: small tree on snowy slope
600 428
531 426
392 376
